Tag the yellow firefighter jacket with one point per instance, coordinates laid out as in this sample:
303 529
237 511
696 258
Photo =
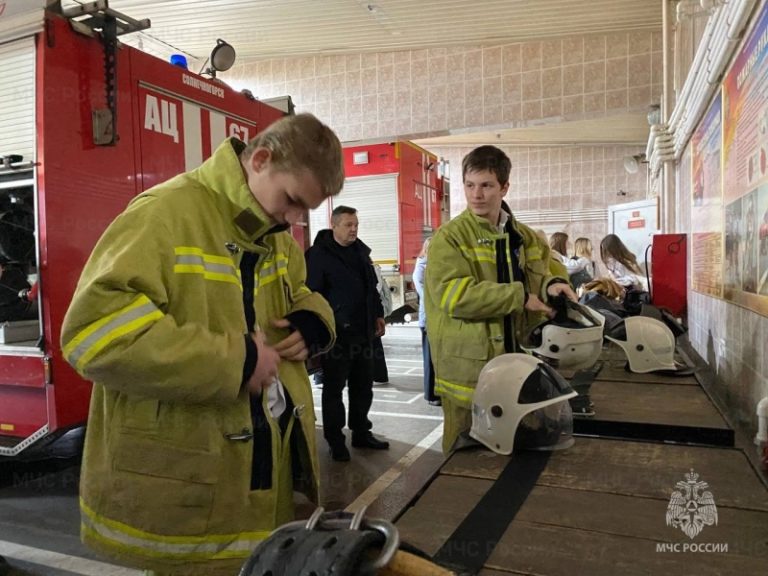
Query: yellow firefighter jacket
157 324
466 305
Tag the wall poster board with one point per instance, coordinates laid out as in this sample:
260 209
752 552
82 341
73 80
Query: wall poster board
744 206
707 208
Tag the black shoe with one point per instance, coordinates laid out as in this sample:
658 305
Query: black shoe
369 441
339 452
436 402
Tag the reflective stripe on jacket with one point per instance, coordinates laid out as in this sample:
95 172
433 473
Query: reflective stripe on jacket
157 324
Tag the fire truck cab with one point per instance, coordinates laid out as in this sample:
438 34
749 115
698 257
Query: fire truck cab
86 124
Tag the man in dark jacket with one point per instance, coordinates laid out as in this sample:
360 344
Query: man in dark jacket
339 267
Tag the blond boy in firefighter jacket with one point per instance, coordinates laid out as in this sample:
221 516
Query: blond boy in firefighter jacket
157 323
486 284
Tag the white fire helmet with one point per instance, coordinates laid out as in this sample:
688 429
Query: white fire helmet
649 344
521 403
572 343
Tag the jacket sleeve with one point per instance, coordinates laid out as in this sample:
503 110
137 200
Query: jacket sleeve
303 299
453 286
119 333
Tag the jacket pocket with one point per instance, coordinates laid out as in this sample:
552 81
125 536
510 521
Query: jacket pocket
161 488
470 341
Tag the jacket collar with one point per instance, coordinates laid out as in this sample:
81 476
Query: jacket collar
223 174
485 224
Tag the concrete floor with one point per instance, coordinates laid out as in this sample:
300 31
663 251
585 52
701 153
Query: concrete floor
39 518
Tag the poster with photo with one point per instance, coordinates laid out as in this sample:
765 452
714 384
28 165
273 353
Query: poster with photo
762 240
745 168
707 204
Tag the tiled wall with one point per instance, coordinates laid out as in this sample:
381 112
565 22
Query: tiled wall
420 92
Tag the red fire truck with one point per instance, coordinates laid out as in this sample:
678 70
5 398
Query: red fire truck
86 123
401 196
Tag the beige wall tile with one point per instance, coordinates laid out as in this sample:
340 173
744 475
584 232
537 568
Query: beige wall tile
512 88
322 65
439 52
455 67
402 76
420 124
438 100
307 67
353 84
573 80
639 97
656 68
531 85
473 65
401 57
352 62
616 73
385 59
492 91
492 61
639 70
511 58
420 103
594 48
573 50
551 53
338 64
279 71
338 86
370 130
355 110
492 115
552 107
455 93
552 82
511 112
437 122
403 125
617 45
386 106
437 70
531 56
367 60
419 75
532 110
473 115
473 93
594 102
455 116
573 105
656 42
385 78
368 81
639 42
594 77
403 104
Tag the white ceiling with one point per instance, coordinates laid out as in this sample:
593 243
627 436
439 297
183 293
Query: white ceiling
269 28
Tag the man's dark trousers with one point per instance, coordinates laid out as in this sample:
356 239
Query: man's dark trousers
350 360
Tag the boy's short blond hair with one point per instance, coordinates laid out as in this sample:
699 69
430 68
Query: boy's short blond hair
303 142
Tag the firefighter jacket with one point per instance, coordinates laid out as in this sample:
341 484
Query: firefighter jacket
471 287
157 324
281 292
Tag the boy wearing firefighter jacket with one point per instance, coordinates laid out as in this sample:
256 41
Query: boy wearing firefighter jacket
486 284
159 323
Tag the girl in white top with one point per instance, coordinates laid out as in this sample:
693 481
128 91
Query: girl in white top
621 263
582 258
